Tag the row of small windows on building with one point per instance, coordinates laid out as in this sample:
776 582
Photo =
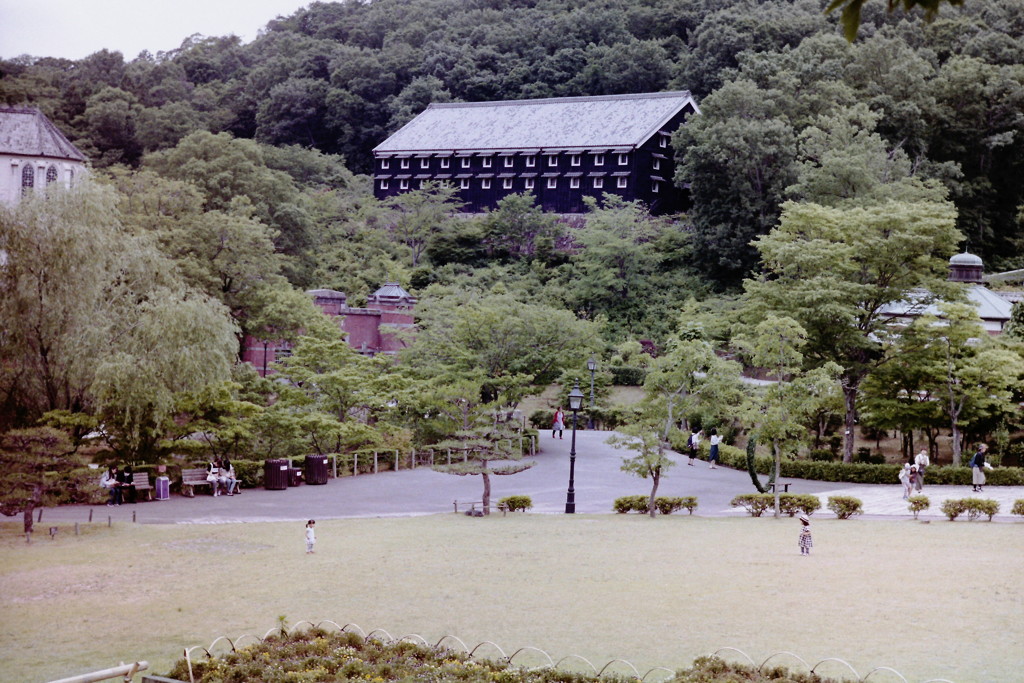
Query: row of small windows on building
508 161
28 177
621 182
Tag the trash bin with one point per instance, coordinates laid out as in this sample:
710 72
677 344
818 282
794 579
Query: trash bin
275 475
316 469
294 476
163 488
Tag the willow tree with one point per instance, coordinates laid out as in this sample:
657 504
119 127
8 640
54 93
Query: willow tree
97 320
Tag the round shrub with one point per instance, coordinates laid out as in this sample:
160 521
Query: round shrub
917 504
952 508
631 504
845 507
516 503
1018 507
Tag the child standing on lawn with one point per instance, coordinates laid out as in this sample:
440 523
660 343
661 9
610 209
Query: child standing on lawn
310 536
805 535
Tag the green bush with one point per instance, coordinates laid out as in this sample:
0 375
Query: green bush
630 504
516 503
952 508
976 507
755 503
628 376
332 657
791 503
667 506
822 455
1018 507
917 504
662 504
845 506
541 419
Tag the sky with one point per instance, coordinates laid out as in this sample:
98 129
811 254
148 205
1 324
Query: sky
77 28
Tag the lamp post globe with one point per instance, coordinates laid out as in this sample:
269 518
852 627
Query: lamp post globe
575 403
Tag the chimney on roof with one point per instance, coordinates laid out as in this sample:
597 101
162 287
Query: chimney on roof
966 268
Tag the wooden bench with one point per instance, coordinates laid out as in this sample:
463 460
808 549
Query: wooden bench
192 478
140 480
784 485
473 512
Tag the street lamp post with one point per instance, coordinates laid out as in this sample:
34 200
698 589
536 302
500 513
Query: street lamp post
575 402
592 366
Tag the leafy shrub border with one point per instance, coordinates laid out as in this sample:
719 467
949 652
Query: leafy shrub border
856 473
665 505
974 508
756 504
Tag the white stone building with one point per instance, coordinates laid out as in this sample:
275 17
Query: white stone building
34 154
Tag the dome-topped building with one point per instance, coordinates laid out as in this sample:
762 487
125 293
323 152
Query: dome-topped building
966 268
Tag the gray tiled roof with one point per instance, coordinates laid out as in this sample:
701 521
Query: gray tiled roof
609 122
27 132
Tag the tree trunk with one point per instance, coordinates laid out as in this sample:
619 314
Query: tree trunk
656 478
850 401
485 500
957 439
33 503
778 466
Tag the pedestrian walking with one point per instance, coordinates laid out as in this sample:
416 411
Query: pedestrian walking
558 423
714 440
693 443
805 542
923 462
310 536
904 477
978 466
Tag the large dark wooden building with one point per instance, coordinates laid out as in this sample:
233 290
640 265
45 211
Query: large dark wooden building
561 150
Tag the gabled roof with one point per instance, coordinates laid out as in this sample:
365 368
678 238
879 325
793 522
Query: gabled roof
566 123
25 131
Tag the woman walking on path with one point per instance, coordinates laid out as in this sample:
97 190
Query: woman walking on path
806 542
558 423
693 444
978 465
714 440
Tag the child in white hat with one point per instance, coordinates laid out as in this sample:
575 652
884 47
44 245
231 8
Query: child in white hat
806 542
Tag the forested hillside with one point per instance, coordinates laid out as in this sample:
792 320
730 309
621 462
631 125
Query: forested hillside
779 88
237 172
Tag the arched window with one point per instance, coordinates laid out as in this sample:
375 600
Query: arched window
28 179
51 175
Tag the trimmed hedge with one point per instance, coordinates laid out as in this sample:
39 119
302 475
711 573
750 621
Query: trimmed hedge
516 503
664 505
789 503
1018 507
974 507
856 473
845 506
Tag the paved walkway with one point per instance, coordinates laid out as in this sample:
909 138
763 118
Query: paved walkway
599 481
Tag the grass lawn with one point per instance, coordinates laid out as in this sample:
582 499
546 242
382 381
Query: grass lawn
934 600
